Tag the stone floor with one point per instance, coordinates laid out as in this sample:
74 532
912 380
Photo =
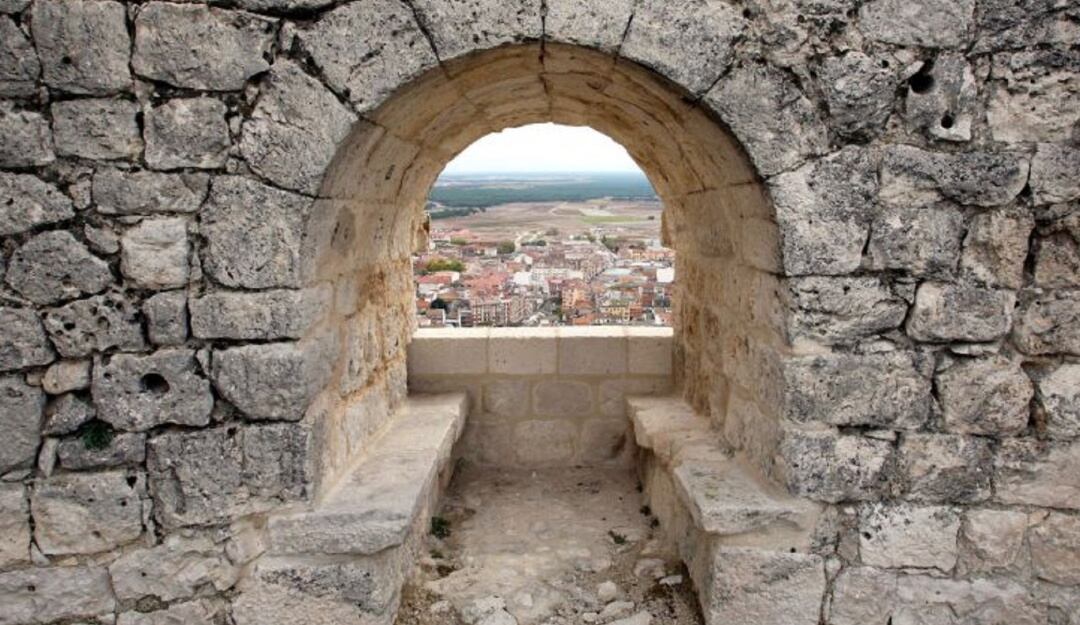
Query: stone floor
547 547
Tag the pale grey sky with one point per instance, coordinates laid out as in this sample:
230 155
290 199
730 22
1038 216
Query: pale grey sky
543 148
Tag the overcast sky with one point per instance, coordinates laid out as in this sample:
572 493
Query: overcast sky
543 148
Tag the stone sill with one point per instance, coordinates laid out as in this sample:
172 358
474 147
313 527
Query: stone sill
599 351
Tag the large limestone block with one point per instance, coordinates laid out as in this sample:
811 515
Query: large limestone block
295 129
991 540
14 525
87 512
83 44
23 342
175 569
458 27
1048 323
752 586
521 351
275 314
859 91
96 323
842 310
154 254
187 132
260 603
825 466
1055 549
21 408
959 312
27 139
97 129
913 176
884 390
53 266
275 381
368 50
986 396
1038 473
19 66
824 211
44 595
138 392
592 351
1058 394
210 476
920 241
996 247
30 202
118 192
946 468
903 535
190 45
599 25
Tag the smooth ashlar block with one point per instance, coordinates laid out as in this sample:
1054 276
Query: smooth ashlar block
592 351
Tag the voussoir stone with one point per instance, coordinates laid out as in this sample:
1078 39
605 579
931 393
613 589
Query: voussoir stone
97 128
136 392
14 525
859 92
921 241
45 595
989 396
294 131
175 569
21 408
23 342
83 44
598 25
1038 473
275 381
275 314
367 50
98 323
958 312
19 66
912 176
87 512
193 46
187 132
54 266
886 538
1058 394
462 26
119 192
946 467
996 247
922 23
27 140
1048 323
826 466
29 202
154 254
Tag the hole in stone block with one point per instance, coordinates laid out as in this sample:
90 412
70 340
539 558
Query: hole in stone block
154 383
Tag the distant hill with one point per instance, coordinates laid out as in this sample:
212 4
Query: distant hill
485 190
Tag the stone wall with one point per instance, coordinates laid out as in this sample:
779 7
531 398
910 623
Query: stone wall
206 211
544 397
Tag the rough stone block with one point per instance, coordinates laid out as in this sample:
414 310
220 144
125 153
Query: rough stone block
53 266
175 569
988 396
563 398
991 540
154 254
921 241
96 323
923 23
30 202
193 46
23 342
27 139
521 351
912 176
545 443
21 408
1057 262
902 535
201 612
862 595
66 375
1033 102
1048 323
44 595
1053 174
461 26
96 129
752 586
884 390
167 318
118 192
187 132
954 312
1058 394
125 449
592 351
826 466
275 381
14 525
996 246
19 66
1038 473
841 310
275 314
947 108
859 91
1055 549
136 393
599 25
944 468
83 44
87 512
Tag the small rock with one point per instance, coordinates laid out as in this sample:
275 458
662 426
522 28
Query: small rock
478 609
641 618
66 414
66 375
671 580
650 567
440 607
616 609
607 591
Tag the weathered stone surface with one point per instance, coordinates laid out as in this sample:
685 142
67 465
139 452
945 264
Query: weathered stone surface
44 595
941 98
19 66
991 539
136 393
1053 174
97 129
859 92
862 595
167 318
53 266
946 468
154 254
20 421
276 381
23 342
27 139
598 25
14 525
1038 473
996 246
187 132
1055 549
97 323
841 310
66 414
201 612
1034 102
66 375
83 44
255 234
886 538
911 176
780 128
295 129
462 26
1058 394
118 192
850 389
30 202
367 50
957 312
1057 261
125 449
825 466
209 476
921 241
190 45
87 512
1048 323
751 585
923 23
175 569
988 396
690 42
276 314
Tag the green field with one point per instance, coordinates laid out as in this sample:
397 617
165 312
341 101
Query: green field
611 219
484 190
